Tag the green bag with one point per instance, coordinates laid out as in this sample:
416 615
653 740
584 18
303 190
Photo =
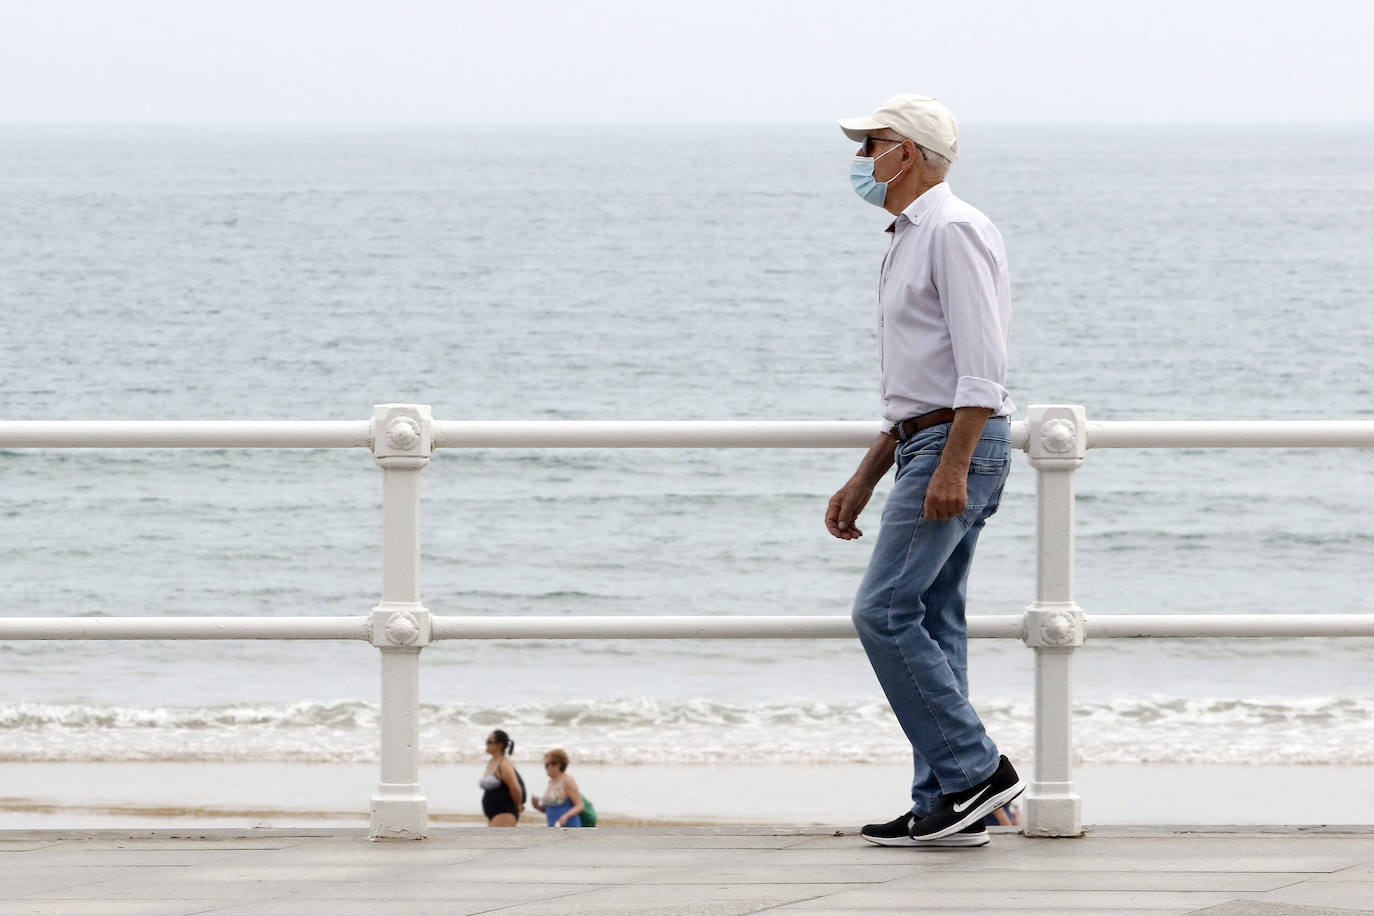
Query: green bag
588 812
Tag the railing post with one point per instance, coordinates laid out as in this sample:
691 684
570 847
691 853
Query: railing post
1054 623
402 440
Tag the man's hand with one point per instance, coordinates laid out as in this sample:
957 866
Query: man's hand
947 494
844 508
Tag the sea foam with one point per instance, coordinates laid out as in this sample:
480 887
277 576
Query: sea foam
631 730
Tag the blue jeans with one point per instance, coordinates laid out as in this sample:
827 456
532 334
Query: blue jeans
910 612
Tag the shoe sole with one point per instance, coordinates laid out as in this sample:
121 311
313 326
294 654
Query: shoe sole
955 841
978 812
946 842
889 840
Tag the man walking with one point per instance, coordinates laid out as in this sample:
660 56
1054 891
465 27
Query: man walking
944 309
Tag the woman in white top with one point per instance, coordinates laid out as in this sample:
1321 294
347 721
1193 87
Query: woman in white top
562 801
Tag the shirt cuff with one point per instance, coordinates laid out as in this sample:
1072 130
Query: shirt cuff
979 392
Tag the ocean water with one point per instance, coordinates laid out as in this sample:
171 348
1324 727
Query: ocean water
688 272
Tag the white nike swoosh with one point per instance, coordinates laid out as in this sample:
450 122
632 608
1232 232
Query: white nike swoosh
960 809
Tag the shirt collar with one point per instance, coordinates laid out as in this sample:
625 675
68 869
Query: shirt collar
921 206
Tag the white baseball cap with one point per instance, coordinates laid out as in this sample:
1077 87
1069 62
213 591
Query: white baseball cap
916 117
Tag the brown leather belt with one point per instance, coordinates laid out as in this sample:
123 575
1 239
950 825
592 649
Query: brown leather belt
908 428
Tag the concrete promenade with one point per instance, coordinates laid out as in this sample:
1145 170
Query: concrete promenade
1216 871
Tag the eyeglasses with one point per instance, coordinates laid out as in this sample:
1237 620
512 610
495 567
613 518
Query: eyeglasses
866 147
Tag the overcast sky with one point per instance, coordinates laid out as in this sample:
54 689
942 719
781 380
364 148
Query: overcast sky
693 60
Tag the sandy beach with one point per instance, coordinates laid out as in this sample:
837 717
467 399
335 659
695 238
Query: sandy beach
37 795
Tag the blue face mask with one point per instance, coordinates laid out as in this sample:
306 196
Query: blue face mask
865 185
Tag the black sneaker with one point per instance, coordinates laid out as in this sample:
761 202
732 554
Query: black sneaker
897 832
955 812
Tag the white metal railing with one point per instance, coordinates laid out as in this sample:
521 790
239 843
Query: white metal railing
403 436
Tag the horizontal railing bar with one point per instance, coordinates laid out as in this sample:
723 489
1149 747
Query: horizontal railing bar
650 433
185 434
1165 626
1011 626
682 627
655 433
1231 434
184 628
979 627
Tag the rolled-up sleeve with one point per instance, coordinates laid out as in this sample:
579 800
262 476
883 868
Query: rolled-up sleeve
976 302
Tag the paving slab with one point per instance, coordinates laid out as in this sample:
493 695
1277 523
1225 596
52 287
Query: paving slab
679 899
614 836
21 845
369 907
364 855
514 873
18 885
590 906
1020 911
1240 882
74 856
774 874
1354 873
657 894
1337 895
685 871
115 907
981 899
1252 908
572 854
287 887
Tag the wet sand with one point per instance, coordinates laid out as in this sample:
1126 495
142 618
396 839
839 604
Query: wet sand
282 794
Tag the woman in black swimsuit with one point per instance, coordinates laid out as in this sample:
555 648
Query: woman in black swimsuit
503 791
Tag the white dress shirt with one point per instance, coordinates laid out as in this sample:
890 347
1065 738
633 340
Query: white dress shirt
944 310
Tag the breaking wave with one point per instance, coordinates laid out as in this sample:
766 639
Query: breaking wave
642 731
